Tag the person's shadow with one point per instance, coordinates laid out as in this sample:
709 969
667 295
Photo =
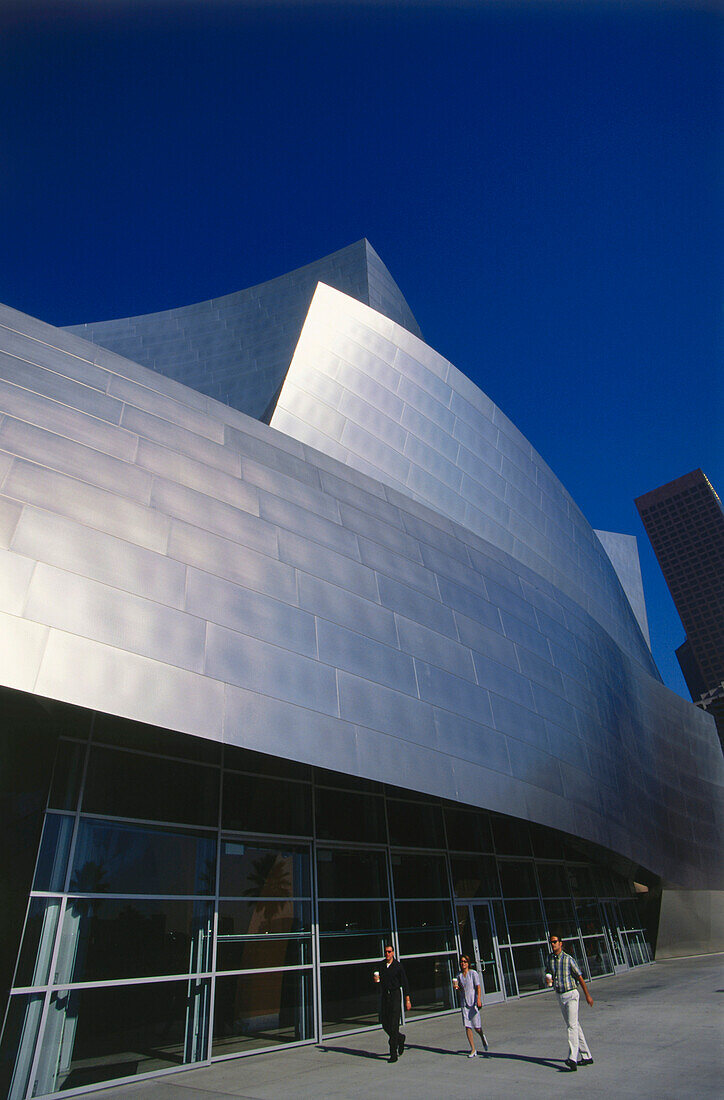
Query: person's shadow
356 1053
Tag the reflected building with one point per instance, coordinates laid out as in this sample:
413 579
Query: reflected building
305 647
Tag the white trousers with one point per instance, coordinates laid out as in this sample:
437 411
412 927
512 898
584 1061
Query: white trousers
576 1039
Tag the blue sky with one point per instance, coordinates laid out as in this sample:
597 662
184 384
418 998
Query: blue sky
543 179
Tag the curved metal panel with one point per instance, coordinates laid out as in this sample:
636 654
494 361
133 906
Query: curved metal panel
377 398
219 578
237 348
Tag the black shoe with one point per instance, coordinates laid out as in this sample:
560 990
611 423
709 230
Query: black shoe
401 1045
393 1057
571 1064
585 1061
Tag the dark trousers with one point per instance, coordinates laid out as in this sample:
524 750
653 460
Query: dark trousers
390 1007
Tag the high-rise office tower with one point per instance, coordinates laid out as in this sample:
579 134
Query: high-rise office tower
685 523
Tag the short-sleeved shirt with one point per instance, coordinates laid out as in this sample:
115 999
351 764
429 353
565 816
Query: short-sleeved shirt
565 971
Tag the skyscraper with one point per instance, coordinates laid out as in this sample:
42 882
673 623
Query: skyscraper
685 523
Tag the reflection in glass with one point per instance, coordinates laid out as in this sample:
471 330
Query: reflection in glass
271 933
589 918
38 940
353 929
597 953
52 862
415 824
129 859
94 1035
125 784
106 938
475 877
511 987
349 815
529 965
425 926
431 983
350 997
582 884
423 876
256 870
260 1010
351 874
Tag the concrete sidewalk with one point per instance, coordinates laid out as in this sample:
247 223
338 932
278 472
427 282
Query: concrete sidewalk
653 1032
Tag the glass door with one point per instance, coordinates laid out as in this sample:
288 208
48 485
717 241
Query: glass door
479 941
612 924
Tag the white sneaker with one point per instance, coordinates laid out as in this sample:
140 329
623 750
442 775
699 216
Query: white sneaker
473 1054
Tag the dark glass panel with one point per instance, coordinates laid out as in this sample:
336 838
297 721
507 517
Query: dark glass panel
353 930
266 933
425 926
67 775
420 876
589 917
122 1031
629 914
108 938
547 843
517 879
123 784
113 858
468 831
255 803
475 876
415 824
261 1010
110 730
273 916
17 1046
262 952
511 988
38 941
501 926
354 917
335 946
605 882
261 763
598 955
529 965
525 920
511 836
553 880
560 915
52 865
325 778
351 874
257 870
430 981
350 997
582 884
349 815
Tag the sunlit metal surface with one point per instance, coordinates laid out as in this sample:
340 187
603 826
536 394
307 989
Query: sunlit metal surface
167 558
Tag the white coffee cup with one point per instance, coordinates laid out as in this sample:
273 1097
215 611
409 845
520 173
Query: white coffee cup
455 983
376 976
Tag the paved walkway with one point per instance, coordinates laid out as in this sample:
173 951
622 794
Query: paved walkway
654 1033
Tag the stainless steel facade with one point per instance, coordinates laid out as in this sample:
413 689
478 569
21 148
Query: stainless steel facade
387 582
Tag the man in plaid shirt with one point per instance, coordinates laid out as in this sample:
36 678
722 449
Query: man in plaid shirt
562 972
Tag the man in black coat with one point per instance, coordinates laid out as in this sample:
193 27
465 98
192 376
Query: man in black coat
393 983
